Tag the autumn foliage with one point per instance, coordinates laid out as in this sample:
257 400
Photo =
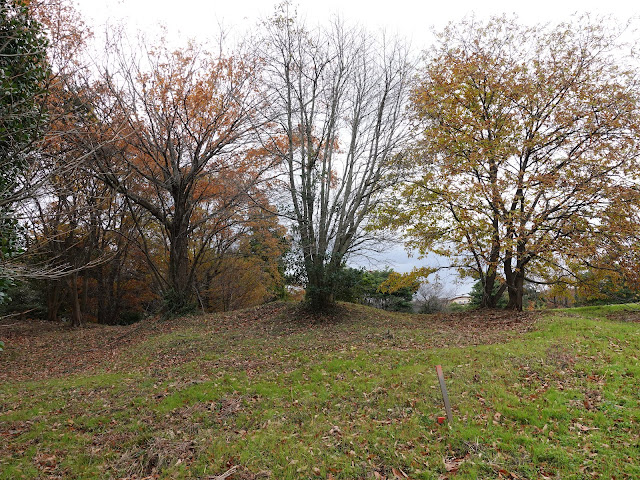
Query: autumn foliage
174 179
527 160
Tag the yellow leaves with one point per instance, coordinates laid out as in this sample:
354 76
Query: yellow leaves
526 141
397 281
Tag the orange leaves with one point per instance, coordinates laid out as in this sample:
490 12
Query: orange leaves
185 153
197 93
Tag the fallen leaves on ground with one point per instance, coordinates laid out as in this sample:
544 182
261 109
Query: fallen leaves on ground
38 349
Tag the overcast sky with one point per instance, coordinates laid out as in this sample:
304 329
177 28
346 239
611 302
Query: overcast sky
411 18
201 19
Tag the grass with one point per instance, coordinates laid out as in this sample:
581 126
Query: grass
275 394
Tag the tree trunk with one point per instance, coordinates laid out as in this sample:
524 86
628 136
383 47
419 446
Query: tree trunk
107 301
320 291
515 276
488 297
319 297
102 295
76 312
179 283
85 293
516 291
54 300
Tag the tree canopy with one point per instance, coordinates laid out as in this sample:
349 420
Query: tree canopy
528 150
161 178
336 97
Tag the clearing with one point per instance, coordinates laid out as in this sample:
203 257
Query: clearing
270 393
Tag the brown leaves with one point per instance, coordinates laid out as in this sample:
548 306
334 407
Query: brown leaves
399 473
583 428
46 463
502 473
396 474
42 348
452 464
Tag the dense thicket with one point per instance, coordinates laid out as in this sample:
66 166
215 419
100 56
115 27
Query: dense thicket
23 71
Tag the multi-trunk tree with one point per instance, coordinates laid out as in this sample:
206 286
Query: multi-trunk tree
529 137
184 120
336 118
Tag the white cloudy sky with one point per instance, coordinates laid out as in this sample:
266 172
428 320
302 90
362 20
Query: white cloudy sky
201 19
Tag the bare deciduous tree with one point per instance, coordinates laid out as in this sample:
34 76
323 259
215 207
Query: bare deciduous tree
336 99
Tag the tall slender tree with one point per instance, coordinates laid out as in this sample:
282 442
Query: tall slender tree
336 105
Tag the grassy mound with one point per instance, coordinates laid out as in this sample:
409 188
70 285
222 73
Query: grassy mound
274 393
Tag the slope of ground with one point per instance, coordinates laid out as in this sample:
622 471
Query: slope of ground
274 393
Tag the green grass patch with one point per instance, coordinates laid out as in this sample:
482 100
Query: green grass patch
356 398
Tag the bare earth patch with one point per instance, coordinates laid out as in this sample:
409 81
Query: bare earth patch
625 316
